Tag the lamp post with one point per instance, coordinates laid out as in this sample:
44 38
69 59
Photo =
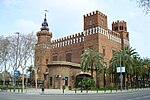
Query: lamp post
15 69
120 73
63 87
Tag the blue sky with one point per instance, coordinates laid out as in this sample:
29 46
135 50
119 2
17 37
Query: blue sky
65 17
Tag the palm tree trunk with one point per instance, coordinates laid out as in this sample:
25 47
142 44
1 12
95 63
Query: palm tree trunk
97 79
137 83
125 81
92 70
143 81
30 79
104 79
131 82
116 80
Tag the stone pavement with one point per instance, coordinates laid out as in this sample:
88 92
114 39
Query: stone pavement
60 91
34 91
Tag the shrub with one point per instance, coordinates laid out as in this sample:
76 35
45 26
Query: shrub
87 83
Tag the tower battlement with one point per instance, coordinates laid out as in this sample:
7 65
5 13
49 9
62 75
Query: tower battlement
119 26
68 40
68 37
118 21
79 37
95 13
95 19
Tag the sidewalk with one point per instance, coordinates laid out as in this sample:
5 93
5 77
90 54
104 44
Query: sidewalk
34 91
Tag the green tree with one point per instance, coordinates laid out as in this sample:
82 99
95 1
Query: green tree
137 69
145 70
92 60
86 83
122 58
145 5
141 70
105 73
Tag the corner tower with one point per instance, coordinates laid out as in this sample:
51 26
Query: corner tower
44 36
43 51
95 19
121 27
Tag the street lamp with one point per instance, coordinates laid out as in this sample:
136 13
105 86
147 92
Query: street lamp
120 73
15 69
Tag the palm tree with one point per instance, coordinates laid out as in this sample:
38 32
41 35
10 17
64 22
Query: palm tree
137 69
145 70
114 63
122 58
92 60
141 70
105 72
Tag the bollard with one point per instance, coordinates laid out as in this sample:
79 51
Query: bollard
105 90
63 89
81 89
5 89
97 90
42 89
87 91
75 91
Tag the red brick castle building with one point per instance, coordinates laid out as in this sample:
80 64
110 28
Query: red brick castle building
59 59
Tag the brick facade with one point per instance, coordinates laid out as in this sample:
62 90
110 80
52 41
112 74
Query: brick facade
62 56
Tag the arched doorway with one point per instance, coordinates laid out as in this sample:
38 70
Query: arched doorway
80 77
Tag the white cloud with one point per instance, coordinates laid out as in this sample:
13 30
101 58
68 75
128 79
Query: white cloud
65 17
9 2
26 26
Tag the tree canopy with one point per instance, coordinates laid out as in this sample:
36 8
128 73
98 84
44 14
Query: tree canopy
145 5
92 60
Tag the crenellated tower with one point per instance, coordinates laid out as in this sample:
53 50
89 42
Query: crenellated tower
95 19
121 27
43 51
